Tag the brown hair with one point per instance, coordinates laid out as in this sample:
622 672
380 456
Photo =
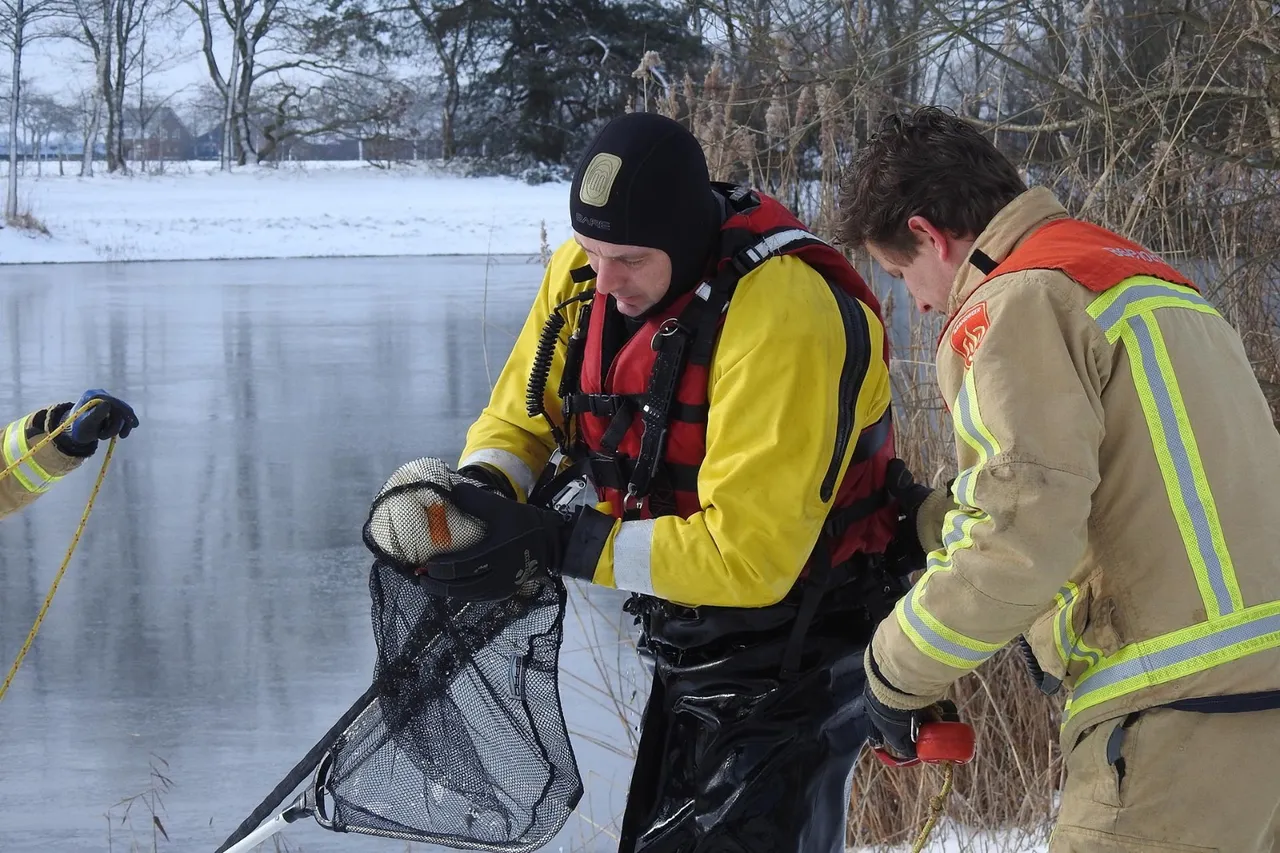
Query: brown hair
927 163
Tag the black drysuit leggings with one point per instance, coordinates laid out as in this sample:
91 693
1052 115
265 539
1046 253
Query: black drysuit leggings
732 759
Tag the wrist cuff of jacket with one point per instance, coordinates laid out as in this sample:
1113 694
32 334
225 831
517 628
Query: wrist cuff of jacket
889 695
47 420
587 539
489 475
928 515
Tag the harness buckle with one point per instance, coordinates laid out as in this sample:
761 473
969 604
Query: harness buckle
633 501
669 327
742 261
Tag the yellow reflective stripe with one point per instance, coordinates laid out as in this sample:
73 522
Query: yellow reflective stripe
1180 466
1202 646
1071 647
30 474
1141 295
926 632
969 424
935 639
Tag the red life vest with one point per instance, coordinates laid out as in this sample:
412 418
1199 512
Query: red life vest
1089 254
609 403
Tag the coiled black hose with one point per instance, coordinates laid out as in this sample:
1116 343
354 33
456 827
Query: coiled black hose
540 372
541 369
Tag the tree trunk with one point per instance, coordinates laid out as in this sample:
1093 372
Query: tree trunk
243 90
91 136
142 104
228 112
117 95
11 198
451 98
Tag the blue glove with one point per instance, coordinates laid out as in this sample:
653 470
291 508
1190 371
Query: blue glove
111 417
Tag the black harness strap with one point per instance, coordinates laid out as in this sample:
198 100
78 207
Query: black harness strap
607 405
615 472
671 342
821 576
1238 703
574 353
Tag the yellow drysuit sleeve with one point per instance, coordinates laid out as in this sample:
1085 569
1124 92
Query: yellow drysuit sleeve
504 436
1028 423
33 477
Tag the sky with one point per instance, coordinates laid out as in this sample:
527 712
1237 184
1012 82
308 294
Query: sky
60 67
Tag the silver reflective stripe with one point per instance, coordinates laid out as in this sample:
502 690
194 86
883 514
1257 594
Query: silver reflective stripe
1150 664
964 407
933 638
520 475
631 549
777 242
1181 460
31 476
1071 645
1115 312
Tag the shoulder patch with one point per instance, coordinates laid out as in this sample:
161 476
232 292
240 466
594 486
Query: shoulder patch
968 331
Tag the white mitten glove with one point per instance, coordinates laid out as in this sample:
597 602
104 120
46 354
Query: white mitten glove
413 519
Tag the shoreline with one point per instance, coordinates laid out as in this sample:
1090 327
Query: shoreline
317 209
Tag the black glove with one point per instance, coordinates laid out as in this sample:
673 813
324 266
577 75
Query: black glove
896 730
905 554
523 542
488 477
111 417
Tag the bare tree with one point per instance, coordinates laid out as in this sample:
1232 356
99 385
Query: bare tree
364 106
44 118
111 30
150 61
454 30
89 124
23 22
268 38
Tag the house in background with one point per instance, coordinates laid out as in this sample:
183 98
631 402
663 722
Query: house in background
165 136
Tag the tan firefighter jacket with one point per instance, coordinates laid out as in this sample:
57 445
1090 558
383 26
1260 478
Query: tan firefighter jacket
1118 492
33 477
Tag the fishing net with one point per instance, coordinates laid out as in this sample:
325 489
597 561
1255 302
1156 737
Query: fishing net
460 739
465 744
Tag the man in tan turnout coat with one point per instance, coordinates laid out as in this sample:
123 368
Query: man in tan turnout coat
29 480
1117 499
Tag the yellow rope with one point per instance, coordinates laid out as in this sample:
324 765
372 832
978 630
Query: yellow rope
75 540
936 806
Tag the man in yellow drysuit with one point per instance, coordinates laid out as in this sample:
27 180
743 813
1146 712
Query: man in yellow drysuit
717 379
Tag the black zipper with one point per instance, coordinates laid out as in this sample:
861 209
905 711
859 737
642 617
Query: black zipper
857 359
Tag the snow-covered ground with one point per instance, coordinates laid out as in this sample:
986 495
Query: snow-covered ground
948 837
315 209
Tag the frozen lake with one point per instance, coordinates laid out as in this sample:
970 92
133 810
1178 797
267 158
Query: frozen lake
215 619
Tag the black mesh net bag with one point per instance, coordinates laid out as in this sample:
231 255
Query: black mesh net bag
460 740
465 744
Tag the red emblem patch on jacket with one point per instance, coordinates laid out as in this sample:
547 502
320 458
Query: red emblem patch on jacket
970 327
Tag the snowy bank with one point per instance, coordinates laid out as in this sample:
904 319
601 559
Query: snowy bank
314 209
